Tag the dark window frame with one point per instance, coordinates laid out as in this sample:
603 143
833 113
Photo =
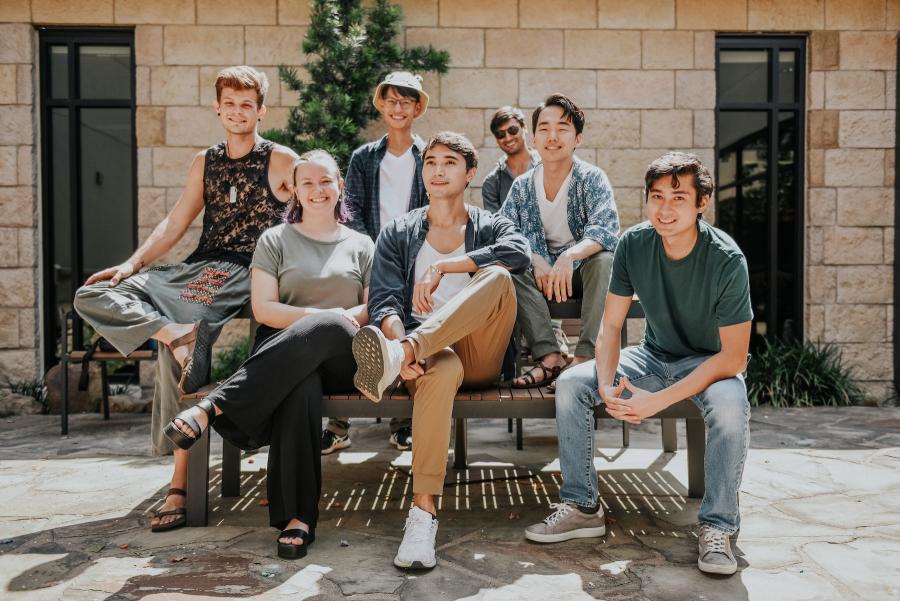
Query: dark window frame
776 43
73 37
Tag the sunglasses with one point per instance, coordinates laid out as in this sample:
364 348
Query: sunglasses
512 130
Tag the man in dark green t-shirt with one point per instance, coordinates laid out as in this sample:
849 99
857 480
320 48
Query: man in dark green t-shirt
692 281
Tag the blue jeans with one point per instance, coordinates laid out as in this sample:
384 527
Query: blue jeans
725 411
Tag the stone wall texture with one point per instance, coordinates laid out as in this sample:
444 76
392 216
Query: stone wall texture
632 65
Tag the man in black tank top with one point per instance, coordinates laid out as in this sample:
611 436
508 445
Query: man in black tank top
241 185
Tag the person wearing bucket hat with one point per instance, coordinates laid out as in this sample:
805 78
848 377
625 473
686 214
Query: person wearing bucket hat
384 181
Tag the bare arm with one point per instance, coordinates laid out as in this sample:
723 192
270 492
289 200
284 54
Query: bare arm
559 280
167 233
607 348
267 309
584 249
281 172
727 363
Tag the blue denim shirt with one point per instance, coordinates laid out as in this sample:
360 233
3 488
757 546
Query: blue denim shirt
490 240
591 210
362 185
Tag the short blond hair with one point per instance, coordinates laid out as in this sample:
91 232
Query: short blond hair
243 78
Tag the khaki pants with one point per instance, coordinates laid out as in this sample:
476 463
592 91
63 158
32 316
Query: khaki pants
463 344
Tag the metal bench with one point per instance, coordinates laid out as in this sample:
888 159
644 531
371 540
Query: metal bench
101 357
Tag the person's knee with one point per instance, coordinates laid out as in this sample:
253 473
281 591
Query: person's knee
727 406
574 393
444 369
322 324
84 296
498 275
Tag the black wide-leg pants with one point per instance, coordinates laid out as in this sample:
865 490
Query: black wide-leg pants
275 399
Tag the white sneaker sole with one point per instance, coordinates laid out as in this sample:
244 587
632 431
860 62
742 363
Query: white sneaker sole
414 565
370 350
714 568
336 447
564 536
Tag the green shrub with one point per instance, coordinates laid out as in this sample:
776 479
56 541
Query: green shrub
800 374
348 47
226 362
35 388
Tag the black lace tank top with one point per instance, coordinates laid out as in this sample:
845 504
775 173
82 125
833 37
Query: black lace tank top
239 204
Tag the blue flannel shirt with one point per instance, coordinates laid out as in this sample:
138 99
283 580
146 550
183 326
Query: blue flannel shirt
591 210
362 185
489 240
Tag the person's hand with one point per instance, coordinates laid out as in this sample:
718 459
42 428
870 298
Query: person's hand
431 279
114 274
541 269
641 405
559 284
412 371
349 316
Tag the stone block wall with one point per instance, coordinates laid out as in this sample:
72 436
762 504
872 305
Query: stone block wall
644 72
19 274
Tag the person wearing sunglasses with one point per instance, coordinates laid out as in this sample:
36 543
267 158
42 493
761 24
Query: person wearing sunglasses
508 127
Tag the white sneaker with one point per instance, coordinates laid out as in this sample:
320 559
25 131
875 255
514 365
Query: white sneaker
378 361
417 548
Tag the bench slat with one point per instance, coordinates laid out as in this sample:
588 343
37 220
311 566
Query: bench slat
78 356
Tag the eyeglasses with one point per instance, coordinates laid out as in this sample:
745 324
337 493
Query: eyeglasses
391 104
512 130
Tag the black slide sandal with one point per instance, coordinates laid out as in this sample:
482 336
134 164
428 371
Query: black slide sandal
287 551
195 371
179 438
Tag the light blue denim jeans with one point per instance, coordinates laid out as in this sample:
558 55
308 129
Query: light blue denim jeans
725 411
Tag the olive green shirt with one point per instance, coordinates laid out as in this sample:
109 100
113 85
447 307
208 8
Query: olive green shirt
687 300
313 273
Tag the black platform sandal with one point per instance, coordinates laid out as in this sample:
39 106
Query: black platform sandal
182 440
195 368
288 551
179 521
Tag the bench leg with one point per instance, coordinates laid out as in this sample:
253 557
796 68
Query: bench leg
669 435
64 417
231 470
509 425
696 449
460 461
198 481
626 434
104 384
519 442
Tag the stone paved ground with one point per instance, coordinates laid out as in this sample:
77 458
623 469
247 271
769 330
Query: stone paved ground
820 503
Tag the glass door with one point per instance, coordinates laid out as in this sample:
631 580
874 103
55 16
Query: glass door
89 165
759 146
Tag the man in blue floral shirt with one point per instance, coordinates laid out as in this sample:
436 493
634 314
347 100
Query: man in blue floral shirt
565 209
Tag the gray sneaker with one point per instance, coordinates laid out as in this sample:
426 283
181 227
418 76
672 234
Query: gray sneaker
716 556
566 523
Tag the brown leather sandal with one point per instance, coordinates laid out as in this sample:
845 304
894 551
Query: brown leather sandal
548 375
181 512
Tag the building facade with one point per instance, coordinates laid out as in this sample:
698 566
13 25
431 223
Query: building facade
104 102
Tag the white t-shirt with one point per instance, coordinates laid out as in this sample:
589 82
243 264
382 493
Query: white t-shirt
395 179
451 283
554 214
